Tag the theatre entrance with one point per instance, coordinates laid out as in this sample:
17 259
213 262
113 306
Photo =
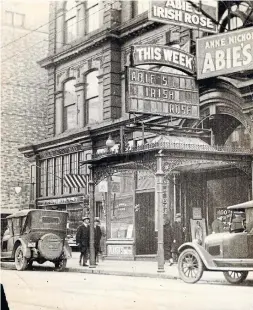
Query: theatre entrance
146 243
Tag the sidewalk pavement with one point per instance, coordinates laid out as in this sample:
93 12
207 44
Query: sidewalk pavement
130 268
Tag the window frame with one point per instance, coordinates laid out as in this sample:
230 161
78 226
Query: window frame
70 13
87 15
67 106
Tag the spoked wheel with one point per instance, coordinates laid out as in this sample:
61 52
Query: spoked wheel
235 277
190 266
20 260
60 265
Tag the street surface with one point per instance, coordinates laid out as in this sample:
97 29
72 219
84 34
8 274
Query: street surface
49 290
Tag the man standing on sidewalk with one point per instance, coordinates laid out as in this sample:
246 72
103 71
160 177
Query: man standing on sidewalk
97 237
83 240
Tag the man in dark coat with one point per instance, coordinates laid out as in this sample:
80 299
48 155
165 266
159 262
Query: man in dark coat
97 238
83 240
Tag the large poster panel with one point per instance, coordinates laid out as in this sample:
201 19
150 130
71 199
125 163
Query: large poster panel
158 93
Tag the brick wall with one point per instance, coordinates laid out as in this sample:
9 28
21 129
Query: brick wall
23 98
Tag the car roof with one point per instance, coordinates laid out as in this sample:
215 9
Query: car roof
244 205
25 212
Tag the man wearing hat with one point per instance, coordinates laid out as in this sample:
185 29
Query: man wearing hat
83 240
97 237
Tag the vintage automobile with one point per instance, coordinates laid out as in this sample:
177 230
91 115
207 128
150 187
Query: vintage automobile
36 236
230 252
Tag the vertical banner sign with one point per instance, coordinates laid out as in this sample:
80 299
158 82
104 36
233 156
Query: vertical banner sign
184 13
225 53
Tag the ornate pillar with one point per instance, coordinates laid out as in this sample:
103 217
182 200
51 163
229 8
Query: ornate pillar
252 180
59 112
80 104
92 208
159 178
108 208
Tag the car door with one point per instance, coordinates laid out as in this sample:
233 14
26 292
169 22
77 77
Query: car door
8 241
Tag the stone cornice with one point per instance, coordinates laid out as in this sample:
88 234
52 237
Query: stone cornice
121 33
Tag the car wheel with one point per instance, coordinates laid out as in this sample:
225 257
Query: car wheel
60 265
190 266
20 260
235 277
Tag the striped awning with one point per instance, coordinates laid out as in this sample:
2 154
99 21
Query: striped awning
75 180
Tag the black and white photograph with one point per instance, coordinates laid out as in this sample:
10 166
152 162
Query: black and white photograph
126 154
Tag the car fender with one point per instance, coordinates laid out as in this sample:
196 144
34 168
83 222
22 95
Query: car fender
206 258
67 250
26 250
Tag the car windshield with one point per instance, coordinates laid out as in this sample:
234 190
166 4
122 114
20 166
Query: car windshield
249 220
238 221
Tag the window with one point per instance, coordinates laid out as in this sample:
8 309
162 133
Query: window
93 104
70 105
143 6
58 176
66 170
43 178
70 21
14 19
92 14
50 177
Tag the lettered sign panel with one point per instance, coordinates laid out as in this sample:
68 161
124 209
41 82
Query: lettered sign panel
158 93
163 55
225 53
184 13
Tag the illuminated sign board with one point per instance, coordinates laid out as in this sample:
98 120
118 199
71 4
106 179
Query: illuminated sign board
183 13
158 93
163 55
225 53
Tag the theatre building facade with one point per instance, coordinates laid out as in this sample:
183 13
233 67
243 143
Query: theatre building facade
127 79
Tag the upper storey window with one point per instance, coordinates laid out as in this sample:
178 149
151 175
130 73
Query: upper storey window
139 7
14 19
70 21
142 6
92 15
94 106
70 105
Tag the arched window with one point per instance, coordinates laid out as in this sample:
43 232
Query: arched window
94 106
70 21
70 105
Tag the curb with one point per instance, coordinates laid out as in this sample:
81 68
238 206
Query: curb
10 266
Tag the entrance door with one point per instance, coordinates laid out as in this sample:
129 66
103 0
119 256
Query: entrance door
145 224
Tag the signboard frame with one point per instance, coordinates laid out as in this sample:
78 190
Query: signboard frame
220 41
159 103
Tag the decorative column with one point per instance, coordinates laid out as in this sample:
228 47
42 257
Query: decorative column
59 112
252 180
92 208
108 209
159 178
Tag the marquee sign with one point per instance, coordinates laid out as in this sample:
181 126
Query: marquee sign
158 93
163 55
183 13
225 53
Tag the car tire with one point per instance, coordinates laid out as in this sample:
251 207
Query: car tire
61 264
235 277
190 266
21 261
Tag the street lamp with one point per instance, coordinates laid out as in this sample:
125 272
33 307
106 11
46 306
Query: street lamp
17 189
109 142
